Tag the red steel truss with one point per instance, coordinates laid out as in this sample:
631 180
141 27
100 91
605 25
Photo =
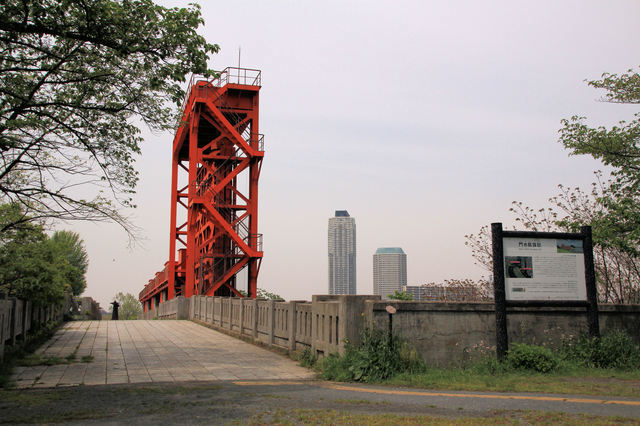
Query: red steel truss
216 162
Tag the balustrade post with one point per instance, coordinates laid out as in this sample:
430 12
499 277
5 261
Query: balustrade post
255 319
241 315
293 320
271 313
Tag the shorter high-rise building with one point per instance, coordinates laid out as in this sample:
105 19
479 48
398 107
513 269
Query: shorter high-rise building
389 271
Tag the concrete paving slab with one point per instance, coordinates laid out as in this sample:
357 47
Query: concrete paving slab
153 351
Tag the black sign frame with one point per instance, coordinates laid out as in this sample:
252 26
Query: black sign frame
501 304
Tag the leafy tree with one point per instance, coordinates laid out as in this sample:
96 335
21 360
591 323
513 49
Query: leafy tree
617 147
14 222
36 267
612 208
465 289
71 246
617 269
31 266
130 306
400 295
264 294
75 78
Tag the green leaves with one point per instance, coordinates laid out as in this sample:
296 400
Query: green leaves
75 77
129 308
264 294
71 247
530 357
619 148
36 267
378 357
615 349
623 88
616 147
400 295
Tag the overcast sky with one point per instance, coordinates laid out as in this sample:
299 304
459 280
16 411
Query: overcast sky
423 119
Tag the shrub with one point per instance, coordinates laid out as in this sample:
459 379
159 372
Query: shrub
377 358
528 357
614 349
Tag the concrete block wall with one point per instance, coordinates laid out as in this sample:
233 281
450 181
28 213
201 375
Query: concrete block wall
445 333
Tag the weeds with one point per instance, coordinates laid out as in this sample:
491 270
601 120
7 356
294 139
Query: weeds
87 358
607 366
307 358
614 349
378 357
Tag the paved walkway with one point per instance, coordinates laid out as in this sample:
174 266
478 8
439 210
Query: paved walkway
151 351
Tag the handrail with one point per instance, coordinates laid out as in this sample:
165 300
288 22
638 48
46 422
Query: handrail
229 75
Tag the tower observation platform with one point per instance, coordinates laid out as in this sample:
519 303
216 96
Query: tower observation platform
216 160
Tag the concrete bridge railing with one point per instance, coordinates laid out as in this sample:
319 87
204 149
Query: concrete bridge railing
19 317
442 333
321 325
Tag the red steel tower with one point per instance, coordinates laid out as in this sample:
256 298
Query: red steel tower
216 160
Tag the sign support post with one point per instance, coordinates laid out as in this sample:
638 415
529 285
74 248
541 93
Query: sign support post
590 277
502 338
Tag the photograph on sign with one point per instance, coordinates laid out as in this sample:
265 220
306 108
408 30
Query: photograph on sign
518 266
544 269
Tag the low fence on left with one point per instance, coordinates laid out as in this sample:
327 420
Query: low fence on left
18 318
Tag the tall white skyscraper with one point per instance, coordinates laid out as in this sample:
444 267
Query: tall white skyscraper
389 271
342 253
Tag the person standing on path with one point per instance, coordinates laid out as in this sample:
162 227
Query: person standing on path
114 314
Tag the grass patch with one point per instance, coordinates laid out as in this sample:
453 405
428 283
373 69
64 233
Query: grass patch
34 359
31 399
609 366
332 417
87 358
169 390
72 356
583 381
60 417
543 417
275 396
360 402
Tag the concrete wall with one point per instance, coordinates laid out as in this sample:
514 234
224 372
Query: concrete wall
18 318
89 309
445 333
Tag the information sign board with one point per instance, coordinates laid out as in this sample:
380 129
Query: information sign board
544 269
538 269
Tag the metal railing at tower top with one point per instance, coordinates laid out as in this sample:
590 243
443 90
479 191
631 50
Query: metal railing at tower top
245 76
229 75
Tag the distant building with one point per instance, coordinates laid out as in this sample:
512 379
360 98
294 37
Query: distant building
443 293
389 271
342 253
